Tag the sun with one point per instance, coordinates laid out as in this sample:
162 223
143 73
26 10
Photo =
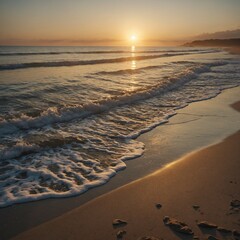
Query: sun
133 38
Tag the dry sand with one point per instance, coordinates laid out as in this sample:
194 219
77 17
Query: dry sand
208 178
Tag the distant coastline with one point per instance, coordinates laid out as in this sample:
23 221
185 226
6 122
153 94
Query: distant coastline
233 42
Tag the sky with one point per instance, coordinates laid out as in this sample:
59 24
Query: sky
112 22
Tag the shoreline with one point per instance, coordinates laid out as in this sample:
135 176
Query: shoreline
39 212
200 186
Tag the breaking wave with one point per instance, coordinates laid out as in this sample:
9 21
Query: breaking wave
55 115
93 52
53 146
88 62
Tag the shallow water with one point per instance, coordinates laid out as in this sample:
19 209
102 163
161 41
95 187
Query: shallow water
69 115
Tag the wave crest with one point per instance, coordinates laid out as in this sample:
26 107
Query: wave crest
93 52
89 62
66 114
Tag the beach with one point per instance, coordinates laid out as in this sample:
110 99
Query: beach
119 120
73 131
203 178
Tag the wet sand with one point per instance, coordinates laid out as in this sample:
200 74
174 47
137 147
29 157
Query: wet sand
198 187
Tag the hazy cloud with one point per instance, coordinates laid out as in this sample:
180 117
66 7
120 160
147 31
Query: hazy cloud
116 42
63 42
219 35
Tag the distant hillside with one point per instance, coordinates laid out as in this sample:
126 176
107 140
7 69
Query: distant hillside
228 34
234 42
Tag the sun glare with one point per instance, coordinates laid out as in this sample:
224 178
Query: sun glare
133 38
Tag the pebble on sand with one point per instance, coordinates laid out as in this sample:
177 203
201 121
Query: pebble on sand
119 222
158 205
223 230
205 224
120 234
196 207
235 203
177 226
148 238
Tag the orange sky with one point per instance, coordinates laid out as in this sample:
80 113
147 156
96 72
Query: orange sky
111 22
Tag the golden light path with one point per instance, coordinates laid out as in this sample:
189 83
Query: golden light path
133 39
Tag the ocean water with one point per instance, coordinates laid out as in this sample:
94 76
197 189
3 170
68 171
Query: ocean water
70 116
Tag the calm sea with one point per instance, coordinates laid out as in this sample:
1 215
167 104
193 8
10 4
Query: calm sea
69 116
